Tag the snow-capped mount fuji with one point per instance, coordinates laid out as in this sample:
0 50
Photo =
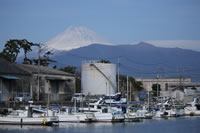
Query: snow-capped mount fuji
75 37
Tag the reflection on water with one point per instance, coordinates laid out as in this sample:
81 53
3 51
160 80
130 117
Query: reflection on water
24 128
84 125
172 125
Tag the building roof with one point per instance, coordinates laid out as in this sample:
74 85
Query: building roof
8 68
194 84
43 70
8 77
164 79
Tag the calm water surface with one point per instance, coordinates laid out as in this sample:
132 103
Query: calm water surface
174 125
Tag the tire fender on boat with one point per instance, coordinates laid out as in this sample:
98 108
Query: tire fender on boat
21 121
44 121
113 117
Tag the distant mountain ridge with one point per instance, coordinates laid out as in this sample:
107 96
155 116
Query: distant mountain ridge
139 60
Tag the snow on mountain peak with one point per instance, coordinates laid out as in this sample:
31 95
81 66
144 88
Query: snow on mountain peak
75 37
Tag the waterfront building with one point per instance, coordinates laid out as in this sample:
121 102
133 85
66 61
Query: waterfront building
178 88
23 78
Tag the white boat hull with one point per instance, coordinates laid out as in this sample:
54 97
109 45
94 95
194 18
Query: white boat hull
75 118
108 117
158 114
190 112
131 117
28 120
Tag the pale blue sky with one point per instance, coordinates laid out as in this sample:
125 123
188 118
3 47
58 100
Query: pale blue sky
120 21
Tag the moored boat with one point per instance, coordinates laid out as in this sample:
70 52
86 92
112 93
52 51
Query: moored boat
192 108
103 113
75 117
25 117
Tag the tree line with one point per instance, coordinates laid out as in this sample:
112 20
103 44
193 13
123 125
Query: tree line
13 47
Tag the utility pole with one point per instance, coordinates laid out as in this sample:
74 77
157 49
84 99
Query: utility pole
48 103
75 82
148 98
183 78
130 90
38 81
158 72
1 91
157 85
109 94
118 74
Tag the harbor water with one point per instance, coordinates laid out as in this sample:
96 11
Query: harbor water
172 125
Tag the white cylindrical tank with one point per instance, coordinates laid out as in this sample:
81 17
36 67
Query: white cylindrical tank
98 78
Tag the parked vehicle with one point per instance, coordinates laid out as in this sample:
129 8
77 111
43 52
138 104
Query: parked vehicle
23 97
79 97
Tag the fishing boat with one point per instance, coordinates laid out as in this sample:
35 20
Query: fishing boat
65 114
114 99
15 120
25 117
68 115
103 113
165 110
158 111
169 109
145 112
192 108
131 115
179 110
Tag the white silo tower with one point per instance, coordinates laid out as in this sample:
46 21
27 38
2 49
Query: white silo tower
98 78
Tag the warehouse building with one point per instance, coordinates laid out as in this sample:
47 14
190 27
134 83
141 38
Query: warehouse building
22 78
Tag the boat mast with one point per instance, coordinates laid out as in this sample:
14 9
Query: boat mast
130 90
118 75
48 97
127 88
38 80
157 85
109 93
148 99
